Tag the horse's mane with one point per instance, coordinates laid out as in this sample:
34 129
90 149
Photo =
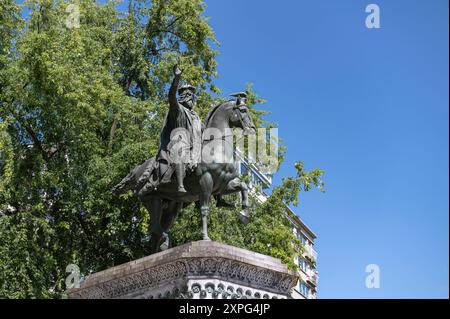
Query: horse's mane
213 111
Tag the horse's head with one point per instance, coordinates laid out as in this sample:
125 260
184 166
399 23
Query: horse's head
231 114
239 117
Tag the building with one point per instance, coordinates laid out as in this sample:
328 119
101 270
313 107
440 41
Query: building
306 287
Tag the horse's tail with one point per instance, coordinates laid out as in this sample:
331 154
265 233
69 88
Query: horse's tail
129 182
132 179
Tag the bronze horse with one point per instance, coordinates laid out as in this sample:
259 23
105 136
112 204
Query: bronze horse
214 175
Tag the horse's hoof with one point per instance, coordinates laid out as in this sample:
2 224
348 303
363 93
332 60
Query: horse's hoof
244 216
205 237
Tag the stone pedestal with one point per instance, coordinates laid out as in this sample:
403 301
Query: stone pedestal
197 270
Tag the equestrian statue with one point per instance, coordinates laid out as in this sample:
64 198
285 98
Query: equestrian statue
194 162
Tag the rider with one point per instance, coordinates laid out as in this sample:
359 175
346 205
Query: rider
241 98
183 128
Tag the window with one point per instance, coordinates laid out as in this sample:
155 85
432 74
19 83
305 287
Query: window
302 264
302 239
304 289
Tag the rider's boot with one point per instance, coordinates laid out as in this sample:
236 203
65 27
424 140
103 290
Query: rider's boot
179 169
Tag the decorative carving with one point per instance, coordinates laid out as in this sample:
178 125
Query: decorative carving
173 274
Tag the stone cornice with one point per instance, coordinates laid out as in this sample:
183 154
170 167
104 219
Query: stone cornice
196 260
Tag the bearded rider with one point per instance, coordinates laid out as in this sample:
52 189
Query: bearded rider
180 145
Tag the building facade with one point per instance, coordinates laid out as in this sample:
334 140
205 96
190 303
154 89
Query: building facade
306 287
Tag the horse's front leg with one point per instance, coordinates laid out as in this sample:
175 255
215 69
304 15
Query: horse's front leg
206 186
244 214
244 195
234 186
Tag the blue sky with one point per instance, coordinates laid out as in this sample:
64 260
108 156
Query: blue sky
370 107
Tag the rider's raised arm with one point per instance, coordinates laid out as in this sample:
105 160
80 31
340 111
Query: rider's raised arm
173 88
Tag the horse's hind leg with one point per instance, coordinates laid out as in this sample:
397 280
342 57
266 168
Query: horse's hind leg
206 186
154 206
169 214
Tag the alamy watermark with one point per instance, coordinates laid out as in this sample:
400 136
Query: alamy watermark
73 19
73 279
373 19
373 278
222 146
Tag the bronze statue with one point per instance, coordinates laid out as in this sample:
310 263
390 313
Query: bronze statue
203 158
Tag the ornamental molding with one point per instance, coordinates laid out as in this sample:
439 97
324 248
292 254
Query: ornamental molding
202 269
176 273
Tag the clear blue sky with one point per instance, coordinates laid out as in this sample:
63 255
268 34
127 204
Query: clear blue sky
370 107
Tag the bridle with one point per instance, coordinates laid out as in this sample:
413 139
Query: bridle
237 109
238 113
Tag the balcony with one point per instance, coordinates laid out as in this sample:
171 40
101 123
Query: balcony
313 277
310 253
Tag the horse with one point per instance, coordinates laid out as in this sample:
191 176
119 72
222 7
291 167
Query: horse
215 174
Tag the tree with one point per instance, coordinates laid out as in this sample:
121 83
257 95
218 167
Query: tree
268 231
79 108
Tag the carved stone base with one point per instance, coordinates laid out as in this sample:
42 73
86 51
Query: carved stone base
197 270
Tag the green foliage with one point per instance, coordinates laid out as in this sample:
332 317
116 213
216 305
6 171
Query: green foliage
79 108
28 267
268 231
223 225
